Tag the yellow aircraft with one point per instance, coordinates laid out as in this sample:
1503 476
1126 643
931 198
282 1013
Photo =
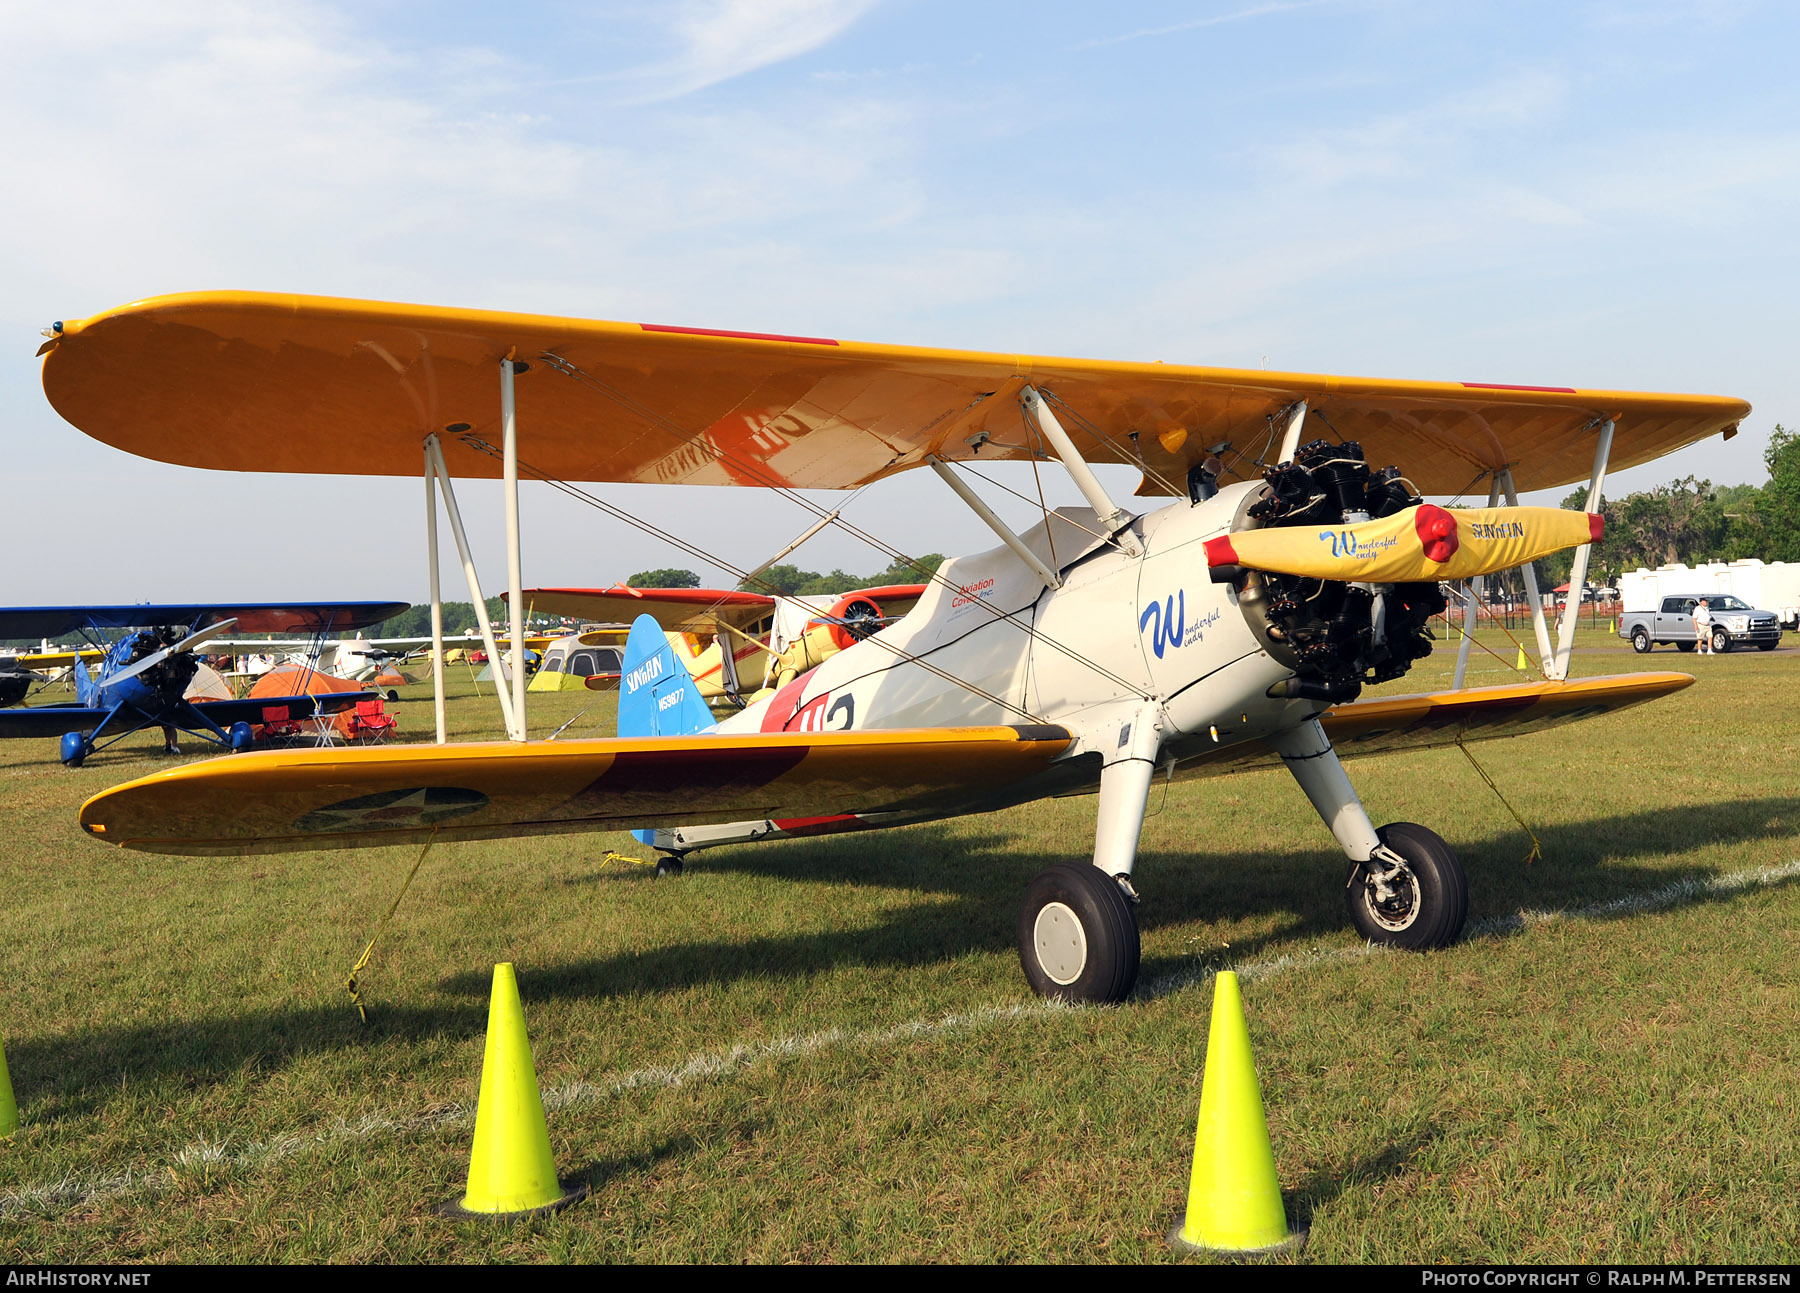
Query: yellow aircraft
1098 651
772 638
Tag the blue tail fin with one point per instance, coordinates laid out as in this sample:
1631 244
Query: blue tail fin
657 695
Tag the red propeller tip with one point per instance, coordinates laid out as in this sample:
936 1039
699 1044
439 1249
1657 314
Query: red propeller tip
1596 525
1219 552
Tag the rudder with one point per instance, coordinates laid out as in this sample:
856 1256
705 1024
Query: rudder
657 695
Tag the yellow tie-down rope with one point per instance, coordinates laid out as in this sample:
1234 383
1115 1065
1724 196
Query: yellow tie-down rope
363 960
1537 850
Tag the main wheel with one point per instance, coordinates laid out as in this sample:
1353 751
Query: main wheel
1078 937
1640 641
1419 906
1721 642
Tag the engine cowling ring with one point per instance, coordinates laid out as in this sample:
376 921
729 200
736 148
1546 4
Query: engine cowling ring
852 618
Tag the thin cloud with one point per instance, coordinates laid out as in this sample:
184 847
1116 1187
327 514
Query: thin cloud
1217 20
719 40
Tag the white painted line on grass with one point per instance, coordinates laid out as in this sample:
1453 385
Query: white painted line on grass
52 1197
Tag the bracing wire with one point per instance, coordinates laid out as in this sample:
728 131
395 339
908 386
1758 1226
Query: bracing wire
701 554
762 477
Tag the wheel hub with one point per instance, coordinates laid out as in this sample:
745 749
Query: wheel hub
1060 943
1391 895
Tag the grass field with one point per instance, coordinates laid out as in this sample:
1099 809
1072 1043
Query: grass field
824 1050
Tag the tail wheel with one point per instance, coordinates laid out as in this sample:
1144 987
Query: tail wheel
1078 936
1419 904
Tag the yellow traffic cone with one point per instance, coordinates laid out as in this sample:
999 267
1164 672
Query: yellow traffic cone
9 1108
511 1173
1234 1200
1520 664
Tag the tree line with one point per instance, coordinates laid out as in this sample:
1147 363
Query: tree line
1691 521
795 582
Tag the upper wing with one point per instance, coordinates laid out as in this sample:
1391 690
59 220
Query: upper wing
255 382
310 799
52 659
251 617
680 610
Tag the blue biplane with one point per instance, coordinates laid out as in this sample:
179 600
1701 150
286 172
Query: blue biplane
148 663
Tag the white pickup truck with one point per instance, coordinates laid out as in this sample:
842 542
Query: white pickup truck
1733 624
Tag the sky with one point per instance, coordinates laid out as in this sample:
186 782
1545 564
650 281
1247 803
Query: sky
1587 194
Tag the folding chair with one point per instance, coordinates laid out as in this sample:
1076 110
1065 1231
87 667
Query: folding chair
278 725
371 723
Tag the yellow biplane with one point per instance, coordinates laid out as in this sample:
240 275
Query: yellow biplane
1287 567
775 638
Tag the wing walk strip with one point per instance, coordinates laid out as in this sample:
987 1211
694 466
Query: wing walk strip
53 1198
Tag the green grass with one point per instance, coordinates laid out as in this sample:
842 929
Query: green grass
823 1050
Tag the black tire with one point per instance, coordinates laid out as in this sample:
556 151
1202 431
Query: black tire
1430 905
1684 646
1640 641
668 865
1765 646
1078 936
1721 642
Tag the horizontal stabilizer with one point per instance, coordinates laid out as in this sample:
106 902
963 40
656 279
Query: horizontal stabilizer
290 800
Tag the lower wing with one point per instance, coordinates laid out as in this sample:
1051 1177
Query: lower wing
1431 719
283 801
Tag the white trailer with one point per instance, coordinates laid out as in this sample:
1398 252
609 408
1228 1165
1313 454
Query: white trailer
1766 585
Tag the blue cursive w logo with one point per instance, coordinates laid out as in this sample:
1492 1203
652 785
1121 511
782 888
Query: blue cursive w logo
1165 623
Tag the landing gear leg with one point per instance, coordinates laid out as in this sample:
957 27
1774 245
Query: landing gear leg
1406 888
1077 931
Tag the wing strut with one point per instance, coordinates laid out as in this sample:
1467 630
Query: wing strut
1290 435
515 578
1113 519
437 596
1049 577
435 454
1565 630
1472 598
1539 627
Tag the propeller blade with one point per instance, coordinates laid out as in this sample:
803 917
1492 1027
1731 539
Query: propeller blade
1419 544
155 658
206 634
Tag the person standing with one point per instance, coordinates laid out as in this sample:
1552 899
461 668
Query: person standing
1703 627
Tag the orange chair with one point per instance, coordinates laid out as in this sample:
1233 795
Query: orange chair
371 722
278 724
